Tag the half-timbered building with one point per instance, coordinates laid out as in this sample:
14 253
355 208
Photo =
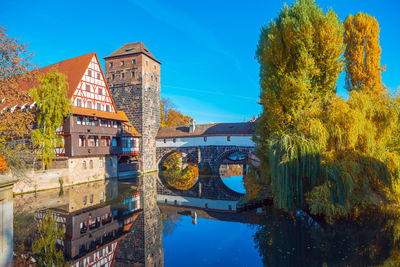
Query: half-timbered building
97 137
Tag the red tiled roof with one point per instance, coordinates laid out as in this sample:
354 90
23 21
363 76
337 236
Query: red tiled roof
130 49
214 129
98 113
73 69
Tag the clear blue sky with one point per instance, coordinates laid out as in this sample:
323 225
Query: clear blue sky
207 47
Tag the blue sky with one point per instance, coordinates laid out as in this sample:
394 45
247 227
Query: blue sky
207 47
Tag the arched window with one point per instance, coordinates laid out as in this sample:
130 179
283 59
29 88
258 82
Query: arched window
91 164
84 165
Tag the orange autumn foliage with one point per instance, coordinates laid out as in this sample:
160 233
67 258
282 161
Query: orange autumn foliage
15 68
170 117
3 165
363 54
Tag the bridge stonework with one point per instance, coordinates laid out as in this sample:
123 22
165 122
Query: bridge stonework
210 187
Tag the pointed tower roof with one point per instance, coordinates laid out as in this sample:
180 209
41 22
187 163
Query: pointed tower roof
130 49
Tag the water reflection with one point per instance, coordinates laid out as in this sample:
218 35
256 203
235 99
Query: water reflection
120 224
232 176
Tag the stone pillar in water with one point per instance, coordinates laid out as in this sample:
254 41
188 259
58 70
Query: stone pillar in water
6 220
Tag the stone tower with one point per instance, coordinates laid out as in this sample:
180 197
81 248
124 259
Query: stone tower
133 76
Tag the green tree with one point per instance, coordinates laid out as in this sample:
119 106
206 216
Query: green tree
300 60
53 106
300 56
44 245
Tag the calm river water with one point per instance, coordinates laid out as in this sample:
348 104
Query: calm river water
112 223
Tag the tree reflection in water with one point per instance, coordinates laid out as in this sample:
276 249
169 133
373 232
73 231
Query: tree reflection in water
284 240
169 222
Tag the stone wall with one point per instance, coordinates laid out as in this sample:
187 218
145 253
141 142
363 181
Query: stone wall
139 98
74 173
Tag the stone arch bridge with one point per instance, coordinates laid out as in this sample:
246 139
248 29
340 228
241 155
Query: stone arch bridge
212 144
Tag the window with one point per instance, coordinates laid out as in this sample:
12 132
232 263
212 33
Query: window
122 63
79 120
89 73
113 76
97 141
152 77
174 140
155 67
98 107
133 74
84 165
79 103
98 76
101 196
102 143
115 124
205 138
111 64
108 108
91 198
89 104
114 142
147 62
83 121
88 87
228 138
123 75
101 160
100 91
82 141
108 123
91 141
134 61
84 200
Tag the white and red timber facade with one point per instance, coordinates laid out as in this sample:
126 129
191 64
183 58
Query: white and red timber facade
99 141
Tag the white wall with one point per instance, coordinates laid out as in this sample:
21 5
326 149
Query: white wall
211 141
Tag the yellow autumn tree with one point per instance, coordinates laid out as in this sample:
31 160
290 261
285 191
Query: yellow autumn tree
363 54
170 117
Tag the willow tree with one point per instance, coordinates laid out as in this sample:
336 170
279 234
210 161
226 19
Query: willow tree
300 60
53 106
363 54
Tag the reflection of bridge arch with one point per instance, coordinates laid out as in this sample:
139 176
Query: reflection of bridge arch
163 156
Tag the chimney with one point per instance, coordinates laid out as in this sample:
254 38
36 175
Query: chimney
192 126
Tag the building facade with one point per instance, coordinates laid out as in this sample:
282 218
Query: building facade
133 76
98 138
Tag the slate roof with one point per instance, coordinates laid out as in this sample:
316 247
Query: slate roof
214 129
130 49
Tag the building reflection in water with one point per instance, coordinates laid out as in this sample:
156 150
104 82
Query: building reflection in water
114 225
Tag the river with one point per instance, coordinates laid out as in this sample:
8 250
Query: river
120 223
